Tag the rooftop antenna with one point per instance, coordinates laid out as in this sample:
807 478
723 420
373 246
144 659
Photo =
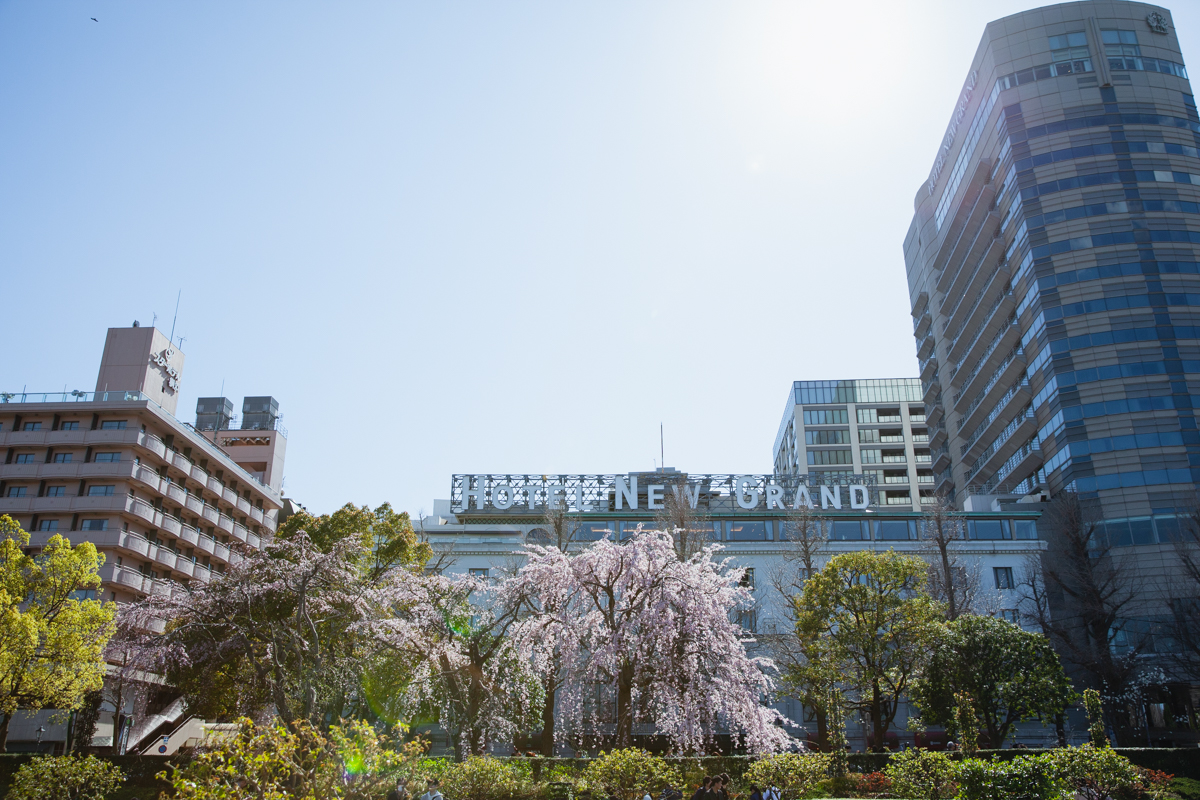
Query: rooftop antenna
173 319
662 448
182 339
154 320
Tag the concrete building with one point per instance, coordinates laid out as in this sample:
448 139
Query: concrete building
486 521
1054 280
163 500
872 428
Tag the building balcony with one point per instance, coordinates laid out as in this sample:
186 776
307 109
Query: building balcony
1018 429
962 229
243 505
975 405
189 534
209 513
184 566
198 475
163 556
239 531
256 514
124 577
221 552
225 523
229 496
215 486
168 523
193 504
206 544
990 426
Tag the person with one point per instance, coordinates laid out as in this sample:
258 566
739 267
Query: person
725 784
702 789
755 794
646 795
714 789
398 793
433 793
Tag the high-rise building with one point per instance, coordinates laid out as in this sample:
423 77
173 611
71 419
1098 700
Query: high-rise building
1053 270
844 431
161 499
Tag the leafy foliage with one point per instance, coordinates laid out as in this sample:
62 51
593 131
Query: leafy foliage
1010 674
793 774
630 773
486 778
1022 778
1095 714
51 640
276 763
383 539
965 723
1095 773
868 617
923 774
65 778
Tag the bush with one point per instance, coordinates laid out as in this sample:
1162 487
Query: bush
486 778
792 773
352 763
1022 778
1097 772
922 774
65 778
1185 788
628 774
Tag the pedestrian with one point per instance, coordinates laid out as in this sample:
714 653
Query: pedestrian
702 790
433 793
398 793
755 794
714 789
725 784
646 795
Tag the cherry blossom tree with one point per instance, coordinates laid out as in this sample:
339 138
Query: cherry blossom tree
633 620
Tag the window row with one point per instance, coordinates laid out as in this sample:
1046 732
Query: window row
64 458
73 425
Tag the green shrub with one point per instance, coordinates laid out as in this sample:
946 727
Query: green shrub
1096 772
792 773
1185 788
486 778
65 778
921 774
1022 778
627 774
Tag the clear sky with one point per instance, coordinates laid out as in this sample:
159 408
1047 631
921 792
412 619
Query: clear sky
477 237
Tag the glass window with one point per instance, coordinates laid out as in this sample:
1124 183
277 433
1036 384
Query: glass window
629 528
1168 529
17 491
479 572
826 416
1119 534
868 435
829 457
988 529
842 530
95 525
112 425
31 426
869 456
68 426
748 531
24 458
894 530
1076 39
1024 529
56 491
1004 577
62 458
107 457
827 437
748 578
1009 614
594 531
1142 530
48 525
100 491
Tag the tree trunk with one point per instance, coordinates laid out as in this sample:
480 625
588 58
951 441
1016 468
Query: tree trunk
822 730
625 707
548 723
877 732
4 733
948 578
1060 729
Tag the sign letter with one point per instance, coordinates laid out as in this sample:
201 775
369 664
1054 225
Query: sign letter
746 497
468 492
774 496
510 496
579 504
691 492
654 496
626 490
859 497
833 497
803 498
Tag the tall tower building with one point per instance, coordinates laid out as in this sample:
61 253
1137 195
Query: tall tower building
1053 265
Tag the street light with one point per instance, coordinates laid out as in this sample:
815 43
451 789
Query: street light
40 731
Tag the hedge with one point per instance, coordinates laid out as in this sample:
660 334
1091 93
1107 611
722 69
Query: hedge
1179 761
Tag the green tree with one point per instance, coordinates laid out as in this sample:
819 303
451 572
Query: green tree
52 639
923 774
966 724
1095 714
385 538
1010 674
793 774
868 618
65 778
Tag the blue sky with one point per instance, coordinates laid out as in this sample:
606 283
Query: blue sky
477 237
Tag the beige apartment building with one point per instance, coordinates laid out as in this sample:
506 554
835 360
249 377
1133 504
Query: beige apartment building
168 503
161 499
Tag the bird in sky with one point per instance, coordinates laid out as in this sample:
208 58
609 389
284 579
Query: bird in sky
95 20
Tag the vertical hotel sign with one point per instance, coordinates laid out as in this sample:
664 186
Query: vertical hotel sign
960 111
650 491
